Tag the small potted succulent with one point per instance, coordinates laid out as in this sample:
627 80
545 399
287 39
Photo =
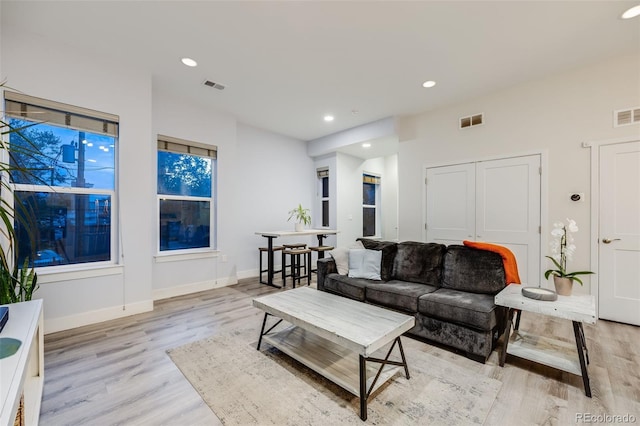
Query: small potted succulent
302 216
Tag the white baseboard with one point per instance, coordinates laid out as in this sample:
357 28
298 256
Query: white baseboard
180 290
92 317
250 273
53 325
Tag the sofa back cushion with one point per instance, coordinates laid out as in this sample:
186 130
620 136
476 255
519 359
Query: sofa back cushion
388 249
419 262
473 270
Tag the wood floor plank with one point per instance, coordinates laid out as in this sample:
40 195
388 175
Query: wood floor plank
118 372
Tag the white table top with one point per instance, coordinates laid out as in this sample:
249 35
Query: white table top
297 233
355 325
574 308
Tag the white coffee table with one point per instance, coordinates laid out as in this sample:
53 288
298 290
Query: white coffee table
542 349
336 337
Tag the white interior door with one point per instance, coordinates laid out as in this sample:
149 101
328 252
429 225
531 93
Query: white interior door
495 201
451 203
508 210
619 233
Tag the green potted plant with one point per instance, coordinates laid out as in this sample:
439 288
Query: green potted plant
302 216
17 282
562 249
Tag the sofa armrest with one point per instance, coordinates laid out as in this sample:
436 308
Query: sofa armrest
326 266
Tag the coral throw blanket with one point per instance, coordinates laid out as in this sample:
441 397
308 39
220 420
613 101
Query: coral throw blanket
508 259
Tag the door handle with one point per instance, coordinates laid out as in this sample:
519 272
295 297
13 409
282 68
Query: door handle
608 241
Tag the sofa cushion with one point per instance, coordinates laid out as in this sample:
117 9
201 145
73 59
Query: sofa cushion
460 307
341 256
353 288
401 295
472 270
419 262
388 249
365 263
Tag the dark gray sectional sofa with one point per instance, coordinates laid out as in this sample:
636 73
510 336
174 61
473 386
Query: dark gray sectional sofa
449 289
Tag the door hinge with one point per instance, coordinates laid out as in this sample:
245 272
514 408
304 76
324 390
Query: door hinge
425 226
425 181
540 170
539 229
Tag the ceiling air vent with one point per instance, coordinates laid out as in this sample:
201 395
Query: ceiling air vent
214 85
472 120
626 117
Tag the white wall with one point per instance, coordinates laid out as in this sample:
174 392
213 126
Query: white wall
329 161
272 176
261 176
389 188
553 115
35 67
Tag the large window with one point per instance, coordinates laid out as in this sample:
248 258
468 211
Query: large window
370 201
64 190
323 189
185 195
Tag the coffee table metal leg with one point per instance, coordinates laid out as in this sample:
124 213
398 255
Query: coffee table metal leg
262 332
264 322
583 365
363 387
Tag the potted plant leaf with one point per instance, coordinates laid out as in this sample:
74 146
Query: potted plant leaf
302 216
18 282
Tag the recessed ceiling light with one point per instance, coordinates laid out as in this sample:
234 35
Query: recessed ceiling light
366 145
631 13
429 83
189 62
328 118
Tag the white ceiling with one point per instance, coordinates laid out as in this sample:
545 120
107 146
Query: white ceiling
287 64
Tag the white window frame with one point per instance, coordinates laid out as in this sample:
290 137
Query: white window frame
198 252
111 123
376 207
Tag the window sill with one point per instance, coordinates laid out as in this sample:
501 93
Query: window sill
178 257
77 272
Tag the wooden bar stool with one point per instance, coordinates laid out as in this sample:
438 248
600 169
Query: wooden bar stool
320 250
293 246
298 256
262 250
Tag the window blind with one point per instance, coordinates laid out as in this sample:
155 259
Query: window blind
171 144
26 107
371 179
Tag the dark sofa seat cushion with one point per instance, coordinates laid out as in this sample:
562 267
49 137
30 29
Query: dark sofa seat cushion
473 270
419 262
395 294
353 288
471 309
388 249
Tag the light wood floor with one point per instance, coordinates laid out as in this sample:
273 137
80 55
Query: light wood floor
118 373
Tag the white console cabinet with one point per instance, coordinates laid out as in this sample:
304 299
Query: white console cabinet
23 372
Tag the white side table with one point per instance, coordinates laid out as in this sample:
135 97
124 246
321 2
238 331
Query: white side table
551 352
23 372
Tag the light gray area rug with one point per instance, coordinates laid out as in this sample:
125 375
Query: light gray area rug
245 386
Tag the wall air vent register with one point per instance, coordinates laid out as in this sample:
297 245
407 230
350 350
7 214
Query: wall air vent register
626 117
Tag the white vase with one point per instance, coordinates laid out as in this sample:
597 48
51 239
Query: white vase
299 227
563 285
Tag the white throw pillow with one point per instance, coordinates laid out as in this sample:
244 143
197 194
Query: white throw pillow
341 257
365 263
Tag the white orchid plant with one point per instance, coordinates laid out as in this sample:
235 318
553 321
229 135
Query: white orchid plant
562 249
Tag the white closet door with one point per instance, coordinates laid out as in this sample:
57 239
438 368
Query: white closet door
451 203
495 201
619 239
508 210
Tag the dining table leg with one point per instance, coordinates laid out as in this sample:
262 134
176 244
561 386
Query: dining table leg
270 261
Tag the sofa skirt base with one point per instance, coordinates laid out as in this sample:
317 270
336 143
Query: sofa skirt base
473 342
